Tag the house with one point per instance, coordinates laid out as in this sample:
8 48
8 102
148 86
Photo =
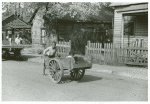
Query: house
12 25
130 22
64 26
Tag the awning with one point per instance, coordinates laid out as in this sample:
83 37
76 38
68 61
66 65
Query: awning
18 24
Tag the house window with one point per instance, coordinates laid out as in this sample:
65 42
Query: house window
129 25
43 36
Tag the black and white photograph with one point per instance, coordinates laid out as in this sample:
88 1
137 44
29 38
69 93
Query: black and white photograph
74 51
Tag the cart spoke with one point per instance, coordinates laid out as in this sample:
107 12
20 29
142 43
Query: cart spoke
80 71
50 65
54 77
54 64
58 76
78 75
75 75
57 67
51 72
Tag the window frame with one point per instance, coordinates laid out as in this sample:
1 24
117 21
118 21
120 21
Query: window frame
133 35
134 24
43 36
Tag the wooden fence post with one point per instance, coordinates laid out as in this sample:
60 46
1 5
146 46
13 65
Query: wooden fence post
100 51
104 52
113 52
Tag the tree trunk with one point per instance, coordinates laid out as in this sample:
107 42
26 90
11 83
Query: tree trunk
51 34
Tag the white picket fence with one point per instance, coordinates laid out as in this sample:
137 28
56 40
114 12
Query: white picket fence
100 55
63 48
136 54
109 53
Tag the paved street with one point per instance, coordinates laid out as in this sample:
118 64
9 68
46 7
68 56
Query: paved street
23 81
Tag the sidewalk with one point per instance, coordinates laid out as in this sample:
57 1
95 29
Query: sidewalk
125 71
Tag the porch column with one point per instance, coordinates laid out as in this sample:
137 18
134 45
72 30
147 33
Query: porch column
122 32
4 35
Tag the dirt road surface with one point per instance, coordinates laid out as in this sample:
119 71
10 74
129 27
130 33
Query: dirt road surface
23 81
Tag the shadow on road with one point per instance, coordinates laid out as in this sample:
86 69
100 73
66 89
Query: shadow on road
26 57
66 79
89 78
23 58
86 78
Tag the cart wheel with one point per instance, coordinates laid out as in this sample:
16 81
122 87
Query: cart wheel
56 71
77 74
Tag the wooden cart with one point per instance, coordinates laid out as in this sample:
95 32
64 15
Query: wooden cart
57 65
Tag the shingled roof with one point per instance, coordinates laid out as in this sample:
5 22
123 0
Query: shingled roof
12 21
113 4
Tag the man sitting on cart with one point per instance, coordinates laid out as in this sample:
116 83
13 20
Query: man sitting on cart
50 51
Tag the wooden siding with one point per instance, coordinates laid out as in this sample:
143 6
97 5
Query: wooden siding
141 27
3 35
117 27
133 7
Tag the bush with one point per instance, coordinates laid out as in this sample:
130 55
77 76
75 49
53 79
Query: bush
78 42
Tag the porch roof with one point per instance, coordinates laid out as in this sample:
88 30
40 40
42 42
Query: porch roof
18 24
138 7
115 4
14 22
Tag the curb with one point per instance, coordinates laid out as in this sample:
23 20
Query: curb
101 70
122 74
131 76
106 71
